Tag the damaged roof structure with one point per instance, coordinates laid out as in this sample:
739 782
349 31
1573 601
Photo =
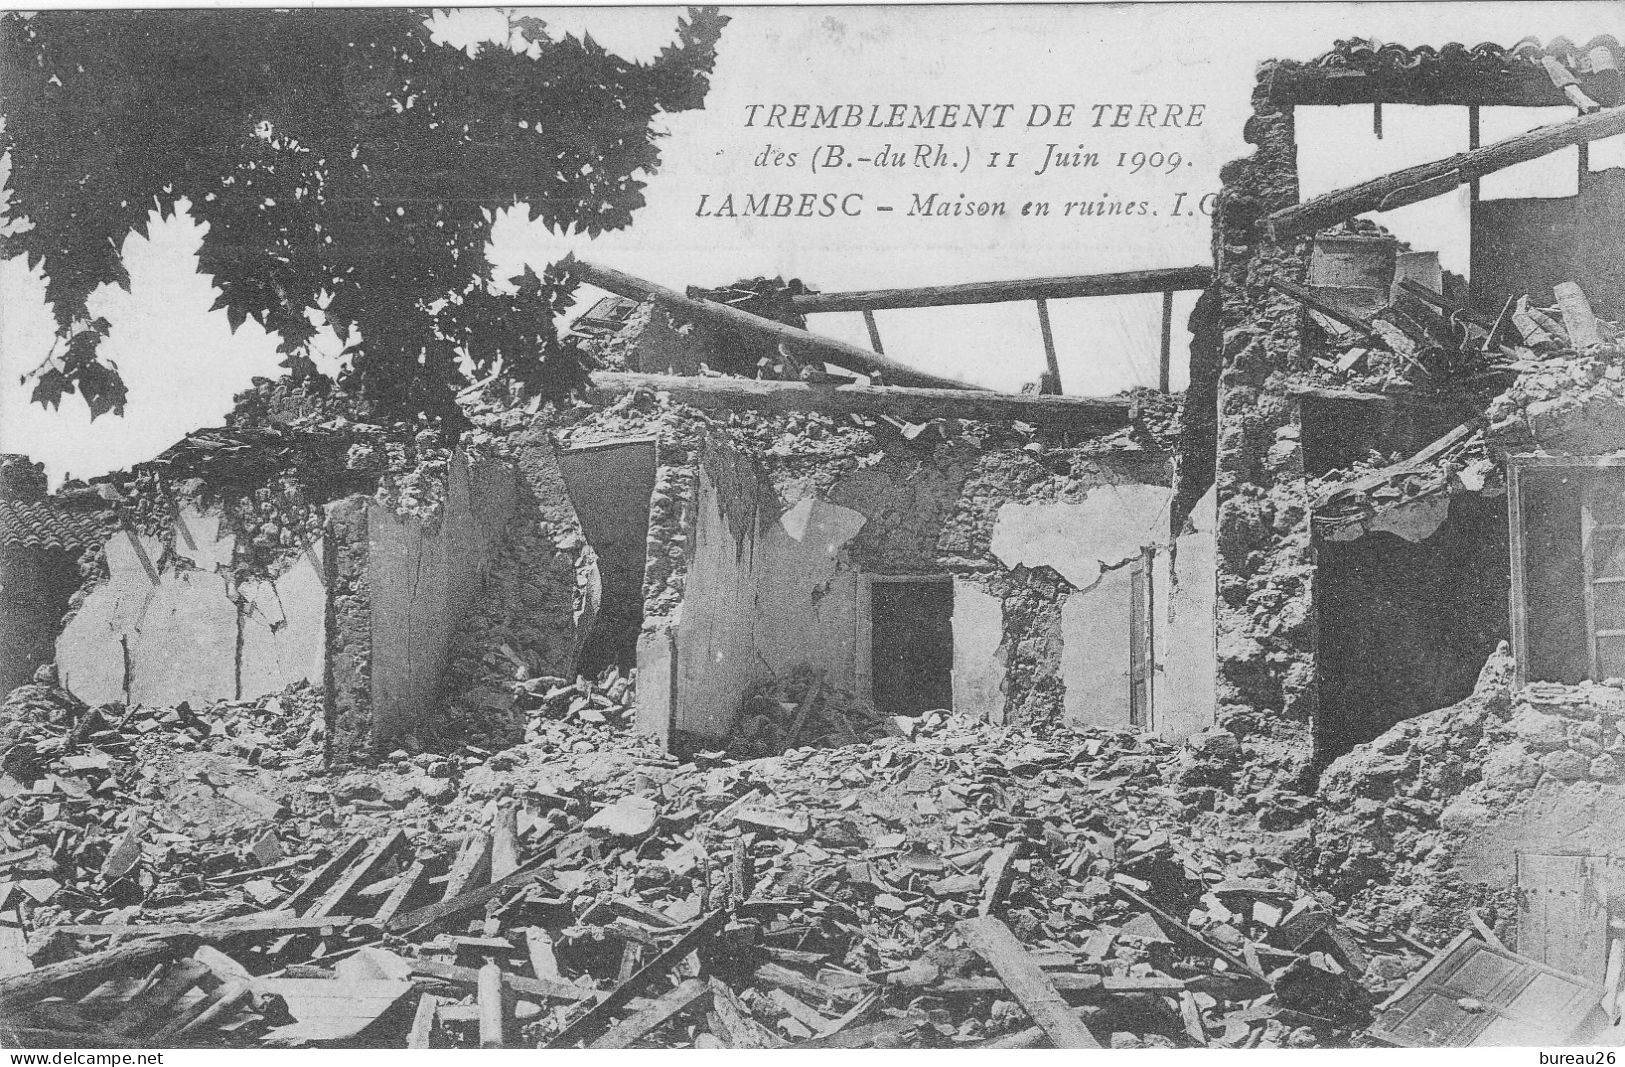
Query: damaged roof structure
777 693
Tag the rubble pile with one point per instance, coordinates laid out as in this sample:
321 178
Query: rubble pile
971 885
802 709
1467 785
1422 337
1460 462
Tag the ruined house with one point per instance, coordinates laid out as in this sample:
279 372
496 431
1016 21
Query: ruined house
1012 557
1413 467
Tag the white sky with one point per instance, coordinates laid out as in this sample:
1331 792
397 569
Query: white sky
183 365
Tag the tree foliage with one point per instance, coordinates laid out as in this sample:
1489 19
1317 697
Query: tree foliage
344 162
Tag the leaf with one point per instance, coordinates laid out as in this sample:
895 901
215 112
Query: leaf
50 388
235 315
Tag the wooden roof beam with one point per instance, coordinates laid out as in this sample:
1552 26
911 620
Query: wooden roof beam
1427 180
1164 280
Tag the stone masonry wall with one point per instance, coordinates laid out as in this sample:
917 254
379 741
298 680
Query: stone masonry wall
1266 693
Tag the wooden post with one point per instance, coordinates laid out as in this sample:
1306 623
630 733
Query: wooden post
1049 348
1163 375
1472 142
1515 594
1376 119
874 332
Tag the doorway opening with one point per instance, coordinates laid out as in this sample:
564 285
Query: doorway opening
610 486
911 644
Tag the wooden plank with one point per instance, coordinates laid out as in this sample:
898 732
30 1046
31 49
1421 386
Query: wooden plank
1065 982
743 1029
807 345
493 1007
322 878
474 898
1181 932
222 998
1562 913
544 964
997 876
422 1032
1075 413
1309 300
473 863
410 879
596 1021
992 940
270 924
689 992
141 1011
136 956
865 1036
802 1013
366 870
1123 283
531 988
504 842
1588 533
1390 190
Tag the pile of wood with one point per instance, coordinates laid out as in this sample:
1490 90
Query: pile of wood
1424 338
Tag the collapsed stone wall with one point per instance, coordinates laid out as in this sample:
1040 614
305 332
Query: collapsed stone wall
1427 821
1265 616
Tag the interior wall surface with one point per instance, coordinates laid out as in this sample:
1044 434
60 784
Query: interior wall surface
765 593
423 580
185 631
1185 596
1526 247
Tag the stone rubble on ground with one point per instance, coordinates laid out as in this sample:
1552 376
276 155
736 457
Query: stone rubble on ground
197 877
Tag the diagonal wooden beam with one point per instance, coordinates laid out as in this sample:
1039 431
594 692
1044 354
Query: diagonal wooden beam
1427 180
809 344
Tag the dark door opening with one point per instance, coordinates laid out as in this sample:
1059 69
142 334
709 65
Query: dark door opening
1404 627
912 645
610 486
